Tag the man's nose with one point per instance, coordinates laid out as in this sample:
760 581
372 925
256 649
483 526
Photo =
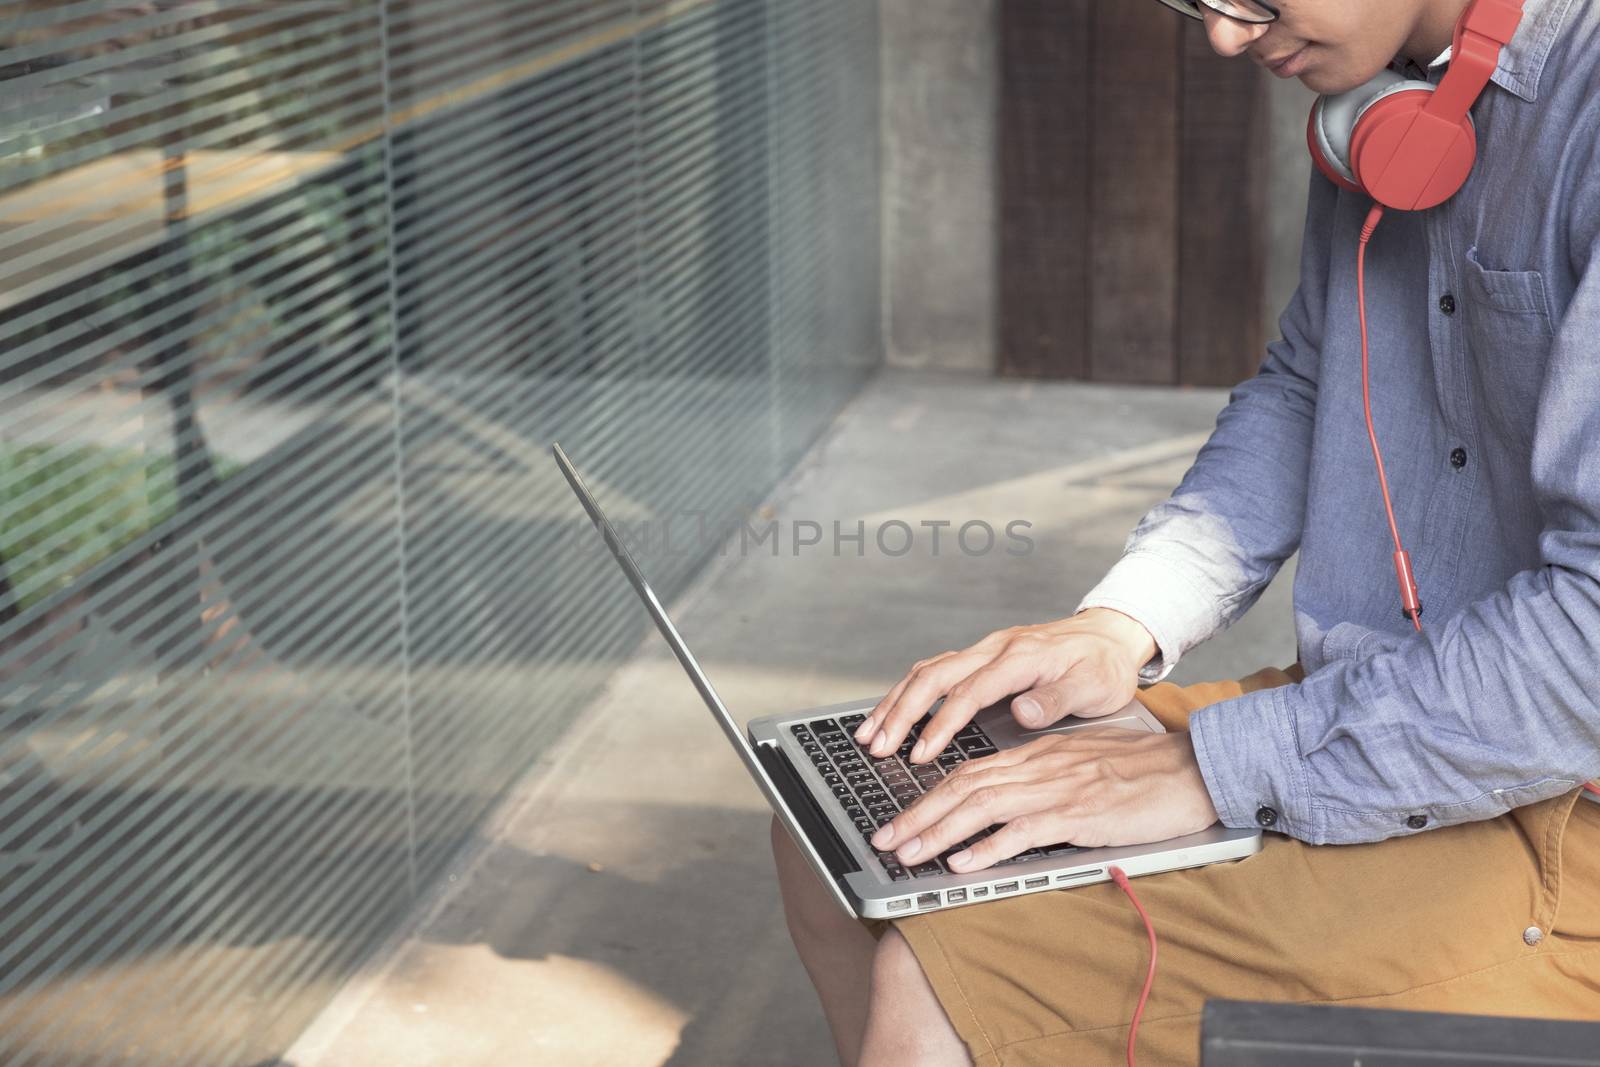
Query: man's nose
1230 37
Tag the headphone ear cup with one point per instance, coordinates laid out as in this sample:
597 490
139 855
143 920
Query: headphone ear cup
1332 128
1393 167
1330 158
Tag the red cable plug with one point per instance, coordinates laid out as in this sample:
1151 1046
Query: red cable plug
1119 877
1591 787
1410 599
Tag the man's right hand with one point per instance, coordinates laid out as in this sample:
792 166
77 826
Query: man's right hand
1086 665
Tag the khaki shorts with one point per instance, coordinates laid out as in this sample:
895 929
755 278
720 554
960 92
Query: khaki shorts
1431 922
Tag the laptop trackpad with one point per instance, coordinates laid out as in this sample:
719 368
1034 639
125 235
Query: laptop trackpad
1005 732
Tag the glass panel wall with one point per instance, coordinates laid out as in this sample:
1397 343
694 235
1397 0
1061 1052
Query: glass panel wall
293 297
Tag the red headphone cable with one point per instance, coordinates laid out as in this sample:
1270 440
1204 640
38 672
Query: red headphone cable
1121 878
1410 599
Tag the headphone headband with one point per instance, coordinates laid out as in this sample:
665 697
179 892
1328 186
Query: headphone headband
1485 29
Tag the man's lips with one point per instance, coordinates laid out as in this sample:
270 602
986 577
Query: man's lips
1289 65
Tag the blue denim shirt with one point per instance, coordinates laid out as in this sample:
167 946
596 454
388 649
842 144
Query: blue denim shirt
1497 703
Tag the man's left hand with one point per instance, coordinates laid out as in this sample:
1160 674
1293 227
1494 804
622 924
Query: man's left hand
1090 788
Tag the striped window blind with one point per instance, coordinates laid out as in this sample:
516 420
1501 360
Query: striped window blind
293 297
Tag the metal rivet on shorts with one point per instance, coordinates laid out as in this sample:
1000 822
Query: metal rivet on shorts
1532 936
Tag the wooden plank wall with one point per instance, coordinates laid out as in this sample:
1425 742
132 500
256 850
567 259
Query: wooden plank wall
1132 182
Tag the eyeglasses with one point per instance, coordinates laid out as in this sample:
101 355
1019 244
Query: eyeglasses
1253 12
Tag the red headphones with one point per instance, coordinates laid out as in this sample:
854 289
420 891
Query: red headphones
1404 143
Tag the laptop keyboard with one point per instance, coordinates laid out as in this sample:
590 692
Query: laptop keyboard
873 791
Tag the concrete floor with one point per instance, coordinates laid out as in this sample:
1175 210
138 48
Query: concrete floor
623 912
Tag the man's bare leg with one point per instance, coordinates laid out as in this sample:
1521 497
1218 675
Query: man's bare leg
856 976
836 950
905 1021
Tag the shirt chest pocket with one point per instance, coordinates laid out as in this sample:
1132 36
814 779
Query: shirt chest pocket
1508 337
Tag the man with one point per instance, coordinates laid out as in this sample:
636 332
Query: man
1444 764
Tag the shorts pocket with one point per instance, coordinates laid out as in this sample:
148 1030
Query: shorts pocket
1509 334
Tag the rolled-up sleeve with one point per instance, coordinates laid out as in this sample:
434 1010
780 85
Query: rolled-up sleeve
1493 708
1204 556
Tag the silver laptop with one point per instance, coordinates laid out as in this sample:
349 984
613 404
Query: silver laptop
832 796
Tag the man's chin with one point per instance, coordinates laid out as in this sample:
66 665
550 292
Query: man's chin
1325 83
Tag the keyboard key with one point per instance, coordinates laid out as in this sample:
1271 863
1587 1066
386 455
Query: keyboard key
800 730
850 722
922 870
897 873
1059 850
972 729
975 747
949 761
842 792
824 724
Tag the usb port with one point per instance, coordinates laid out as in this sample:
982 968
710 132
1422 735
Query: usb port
957 896
980 891
1037 883
927 900
1006 887
900 905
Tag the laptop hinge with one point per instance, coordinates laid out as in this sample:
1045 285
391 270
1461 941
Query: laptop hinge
807 813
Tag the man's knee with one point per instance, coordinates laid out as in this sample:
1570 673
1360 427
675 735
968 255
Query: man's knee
906 1021
895 969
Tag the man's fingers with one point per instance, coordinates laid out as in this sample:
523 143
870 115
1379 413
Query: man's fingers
986 806
926 685
875 718
869 727
957 789
981 652
983 687
1012 839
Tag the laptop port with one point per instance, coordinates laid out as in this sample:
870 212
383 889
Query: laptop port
900 905
956 896
1005 887
1078 876
1037 883
928 900
979 891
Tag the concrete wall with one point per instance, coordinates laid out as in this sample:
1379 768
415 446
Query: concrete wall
940 153
939 138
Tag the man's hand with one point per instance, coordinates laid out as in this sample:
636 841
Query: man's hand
1087 665
1096 787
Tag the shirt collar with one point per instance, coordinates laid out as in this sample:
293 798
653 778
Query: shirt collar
1522 63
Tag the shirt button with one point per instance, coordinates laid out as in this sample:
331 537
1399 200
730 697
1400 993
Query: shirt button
1532 936
1458 458
1417 822
1266 816
1447 304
